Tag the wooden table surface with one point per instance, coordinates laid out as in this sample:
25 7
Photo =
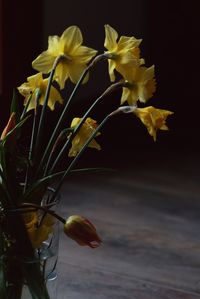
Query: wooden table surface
148 216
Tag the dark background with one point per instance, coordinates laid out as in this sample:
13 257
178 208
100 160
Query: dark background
170 32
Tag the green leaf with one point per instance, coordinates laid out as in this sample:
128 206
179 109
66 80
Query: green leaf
38 189
16 128
35 281
15 106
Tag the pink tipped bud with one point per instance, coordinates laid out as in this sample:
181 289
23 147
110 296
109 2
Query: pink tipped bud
82 231
10 125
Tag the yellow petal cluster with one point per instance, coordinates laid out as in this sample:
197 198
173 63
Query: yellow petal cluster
153 119
83 135
142 85
123 54
74 55
38 230
34 83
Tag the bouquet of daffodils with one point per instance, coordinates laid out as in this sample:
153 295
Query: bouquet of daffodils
28 171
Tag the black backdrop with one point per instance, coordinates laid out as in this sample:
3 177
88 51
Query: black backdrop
170 32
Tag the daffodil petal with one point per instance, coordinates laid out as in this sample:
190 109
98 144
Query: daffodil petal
61 74
54 46
111 36
72 38
84 54
75 71
44 62
111 68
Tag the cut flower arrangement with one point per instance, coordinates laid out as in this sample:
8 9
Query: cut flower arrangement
27 200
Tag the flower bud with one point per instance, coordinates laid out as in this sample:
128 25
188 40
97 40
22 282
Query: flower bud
10 125
82 231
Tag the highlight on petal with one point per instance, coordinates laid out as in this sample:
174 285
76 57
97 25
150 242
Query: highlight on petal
84 54
153 119
72 38
111 69
61 74
129 95
83 135
82 231
111 36
44 62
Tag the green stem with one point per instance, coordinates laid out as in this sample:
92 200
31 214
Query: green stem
75 160
26 107
110 89
44 107
60 120
33 136
24 208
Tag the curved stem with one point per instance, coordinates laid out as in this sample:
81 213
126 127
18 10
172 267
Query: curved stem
60 120
33 136
44 107
75 160
110 89
26 206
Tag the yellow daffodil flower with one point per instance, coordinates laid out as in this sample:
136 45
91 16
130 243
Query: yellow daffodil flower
36 82
153 119
38 231
123 54
83 135
141 87
74 56
82 231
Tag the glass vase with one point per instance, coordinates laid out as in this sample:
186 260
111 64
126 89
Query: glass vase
46 256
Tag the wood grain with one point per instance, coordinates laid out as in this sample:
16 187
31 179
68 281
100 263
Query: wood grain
149 221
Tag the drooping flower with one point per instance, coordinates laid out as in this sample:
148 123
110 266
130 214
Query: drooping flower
36 82
82 231
141 85
74 56
83 135
154 119
123 54
38 230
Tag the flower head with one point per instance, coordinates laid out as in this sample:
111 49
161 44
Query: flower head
141 85
123 54
153 119
82 231
83 135
36 82
74 56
